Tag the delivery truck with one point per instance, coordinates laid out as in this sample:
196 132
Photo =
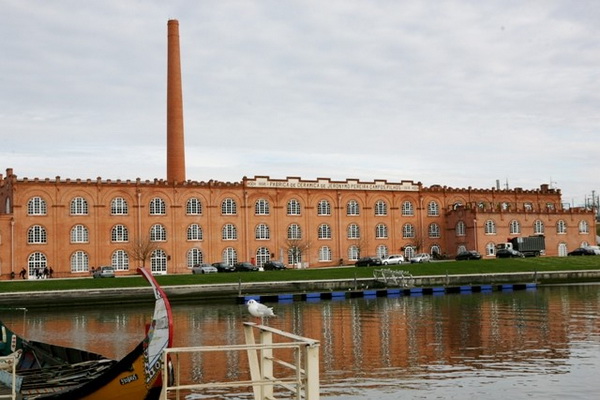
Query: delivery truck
529 246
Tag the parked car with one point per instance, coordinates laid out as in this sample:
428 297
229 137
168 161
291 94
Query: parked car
594 249
204 269
509 253
245 267
274 265
468 255
368 262
223 267
104 272
421 258
581 251
393 259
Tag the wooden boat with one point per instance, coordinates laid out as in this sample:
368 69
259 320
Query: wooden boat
46 371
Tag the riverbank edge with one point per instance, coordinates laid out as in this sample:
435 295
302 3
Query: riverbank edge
230 292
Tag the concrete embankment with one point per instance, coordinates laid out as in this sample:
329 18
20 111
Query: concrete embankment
231 292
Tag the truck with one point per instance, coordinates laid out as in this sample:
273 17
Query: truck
529 246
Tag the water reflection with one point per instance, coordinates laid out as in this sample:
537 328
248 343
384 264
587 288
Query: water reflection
521 344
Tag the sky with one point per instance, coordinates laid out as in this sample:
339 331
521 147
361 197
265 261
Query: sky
452 93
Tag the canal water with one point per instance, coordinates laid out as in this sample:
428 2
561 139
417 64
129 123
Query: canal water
532 344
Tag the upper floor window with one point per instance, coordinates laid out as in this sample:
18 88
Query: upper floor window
194 232
433 209
515 227
118 206
294 232
158 206
229 232
262 232
490 227
584 227
293 207
323 208
120 233
538 227
36 235
79 234
193 207
324 231
434 231
408 231
228 207
352 208
380 208
261 207
408 209
561 227
528 206
158 233
353 231
381 231
36 206
79 206
461 228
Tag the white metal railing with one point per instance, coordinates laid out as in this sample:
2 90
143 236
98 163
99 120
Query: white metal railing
9 363
396 277
301 379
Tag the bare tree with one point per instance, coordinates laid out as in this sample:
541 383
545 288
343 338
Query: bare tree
297 247
142 249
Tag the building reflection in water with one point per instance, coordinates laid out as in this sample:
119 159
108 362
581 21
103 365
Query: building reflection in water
377 338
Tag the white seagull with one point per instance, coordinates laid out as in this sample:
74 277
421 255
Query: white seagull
257 309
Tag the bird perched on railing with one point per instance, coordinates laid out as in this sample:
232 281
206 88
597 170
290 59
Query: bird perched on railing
257 309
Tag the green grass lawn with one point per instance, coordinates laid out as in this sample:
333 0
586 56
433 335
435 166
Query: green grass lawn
435 268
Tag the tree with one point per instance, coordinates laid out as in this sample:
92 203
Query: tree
296 247
142 249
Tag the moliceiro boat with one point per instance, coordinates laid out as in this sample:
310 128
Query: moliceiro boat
46 371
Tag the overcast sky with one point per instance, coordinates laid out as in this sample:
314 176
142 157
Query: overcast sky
456 93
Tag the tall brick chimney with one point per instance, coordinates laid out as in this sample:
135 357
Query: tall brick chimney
175 143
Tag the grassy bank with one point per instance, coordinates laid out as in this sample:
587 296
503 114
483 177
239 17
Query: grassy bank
434 268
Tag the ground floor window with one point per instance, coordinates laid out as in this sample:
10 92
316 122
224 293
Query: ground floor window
158 262
79 262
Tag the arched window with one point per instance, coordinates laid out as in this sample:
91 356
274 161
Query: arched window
229 232
120 260
461 249
353 253
194 257
37 235
79 234
433 209
294 232
434 231
79 261
36 206
119 233
194 232
490 227
158 262
380 208
409 252
562 250
461 228
158 233
584 227
229 256
193 207
36 262
490 249
324 231
293 207
262 256
324 253
538 227
118 206
408 231
407 209
323 208
79 206
228 207
435 251
158 206
514 227
353 231
294 255
561 227
381 231
262 232
382 251
352 208
261 207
